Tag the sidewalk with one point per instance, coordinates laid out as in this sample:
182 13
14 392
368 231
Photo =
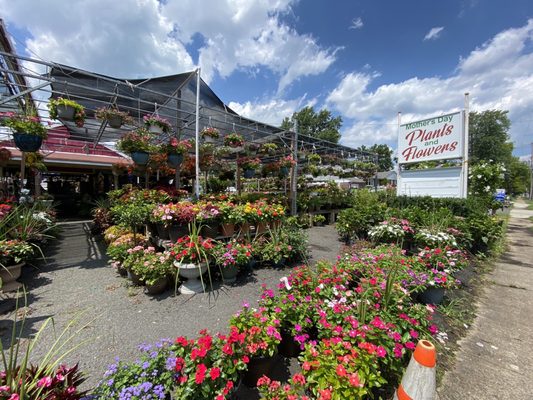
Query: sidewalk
495 360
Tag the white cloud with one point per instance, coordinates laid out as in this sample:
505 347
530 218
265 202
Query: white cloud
498 75
140 38
434 33
271 111
357 23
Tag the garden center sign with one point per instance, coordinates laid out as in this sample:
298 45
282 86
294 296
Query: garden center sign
437 138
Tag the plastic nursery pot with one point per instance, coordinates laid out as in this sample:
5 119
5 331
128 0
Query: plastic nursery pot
65 112
174 160
115 121
257 367
288 347
249 173
431 295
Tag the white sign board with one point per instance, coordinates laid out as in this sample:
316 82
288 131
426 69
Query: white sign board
434 182
435 138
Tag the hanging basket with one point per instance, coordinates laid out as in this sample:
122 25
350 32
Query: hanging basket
115 121
140 157
155 129
284 171
174 160
27 143
249 173
66 112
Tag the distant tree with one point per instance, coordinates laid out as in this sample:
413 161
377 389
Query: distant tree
517 177
384 154
489 137
321 125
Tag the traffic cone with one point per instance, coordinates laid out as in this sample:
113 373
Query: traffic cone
419 381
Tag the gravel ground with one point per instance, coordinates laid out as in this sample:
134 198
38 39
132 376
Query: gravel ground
77 279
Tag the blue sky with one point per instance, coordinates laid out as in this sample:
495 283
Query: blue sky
364 60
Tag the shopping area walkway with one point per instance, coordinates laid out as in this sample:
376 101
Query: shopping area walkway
495 360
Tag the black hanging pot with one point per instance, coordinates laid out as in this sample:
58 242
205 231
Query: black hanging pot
249 173
115 121
284 171
174 160
26 142
140 157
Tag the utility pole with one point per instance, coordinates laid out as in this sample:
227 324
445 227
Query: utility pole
531 173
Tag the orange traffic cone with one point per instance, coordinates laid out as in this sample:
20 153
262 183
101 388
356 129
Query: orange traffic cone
418 382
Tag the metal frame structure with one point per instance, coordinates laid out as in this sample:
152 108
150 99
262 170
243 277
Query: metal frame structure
188 103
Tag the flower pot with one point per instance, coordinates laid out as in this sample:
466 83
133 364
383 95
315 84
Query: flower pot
209 231
284 171
140 157
155 129
176 231
209 139
279 264
261 227
122 271
174 160
26 142
9 276
65 112
191 272
257 367
228 229
288 347
245 228
249 173
162 231
229 273
134 278
431 295
158 286
114 121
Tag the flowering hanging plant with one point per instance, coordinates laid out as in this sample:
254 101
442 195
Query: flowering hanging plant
249 163
25 124
156 120
268 148
105 113
286 162
234 140
138 140
79 111
175 146
210 132
208 367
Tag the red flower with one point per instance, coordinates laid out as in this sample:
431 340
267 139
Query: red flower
200 373
214 373
341 371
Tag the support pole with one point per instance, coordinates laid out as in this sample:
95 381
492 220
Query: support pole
464 192
294 171
531 174
197 137
22 170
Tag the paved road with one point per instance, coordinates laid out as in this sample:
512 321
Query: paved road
495 360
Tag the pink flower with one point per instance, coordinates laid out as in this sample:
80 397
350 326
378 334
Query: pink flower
44 382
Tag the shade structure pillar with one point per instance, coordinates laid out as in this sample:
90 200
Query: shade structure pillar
197 138
294 171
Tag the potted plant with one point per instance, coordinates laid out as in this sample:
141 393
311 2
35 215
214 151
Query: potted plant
13 254
319 220
234 140
156 124
137 144
230 257
285 163
261 340
153 268
28 132
268 148
191 258
70 110
210 134
208 216
175 150
229 216
208 367
249 165
114 117
314 159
